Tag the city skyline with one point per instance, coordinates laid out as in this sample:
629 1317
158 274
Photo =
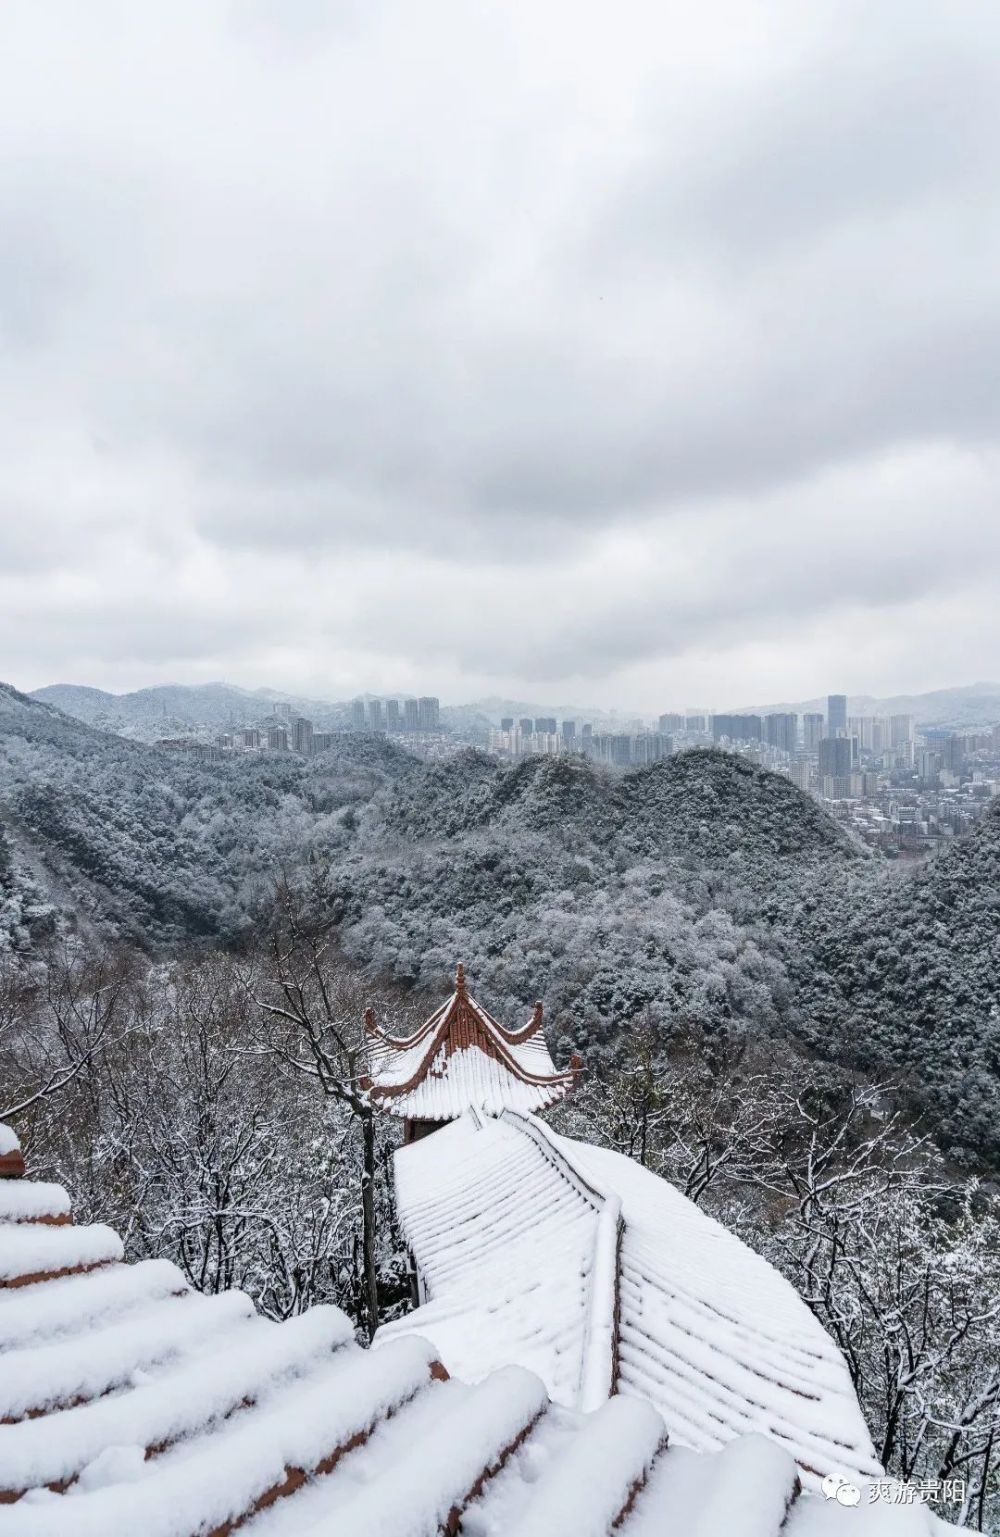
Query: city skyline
860 702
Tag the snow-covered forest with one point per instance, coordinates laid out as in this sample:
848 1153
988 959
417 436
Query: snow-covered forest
805 1041
703 888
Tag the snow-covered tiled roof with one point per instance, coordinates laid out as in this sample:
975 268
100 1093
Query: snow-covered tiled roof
462 1056
590 1270
130 1404
11 1160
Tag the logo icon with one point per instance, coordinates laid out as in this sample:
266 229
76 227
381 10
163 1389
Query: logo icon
841 1489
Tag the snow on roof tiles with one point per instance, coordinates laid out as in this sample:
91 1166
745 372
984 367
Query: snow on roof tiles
462 1056
583 1266
24 1200
129 1403
11 1159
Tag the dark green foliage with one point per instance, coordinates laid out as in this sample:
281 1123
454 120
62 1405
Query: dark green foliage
168 846
902 973
702 890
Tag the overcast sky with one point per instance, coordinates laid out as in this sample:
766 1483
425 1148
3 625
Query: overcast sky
637 354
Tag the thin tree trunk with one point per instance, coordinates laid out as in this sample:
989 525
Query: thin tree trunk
368 1222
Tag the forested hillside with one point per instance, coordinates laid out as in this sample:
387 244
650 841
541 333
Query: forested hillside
904 975
701 893
164 847
606 894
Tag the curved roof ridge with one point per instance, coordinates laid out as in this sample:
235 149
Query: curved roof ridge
463 1046
599 1357
552 1147
540 1080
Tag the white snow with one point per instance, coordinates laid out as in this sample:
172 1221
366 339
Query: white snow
505 1242
24 1200
8 1141
813 1516
514 1231
84 1367
42 1313
241 1362
439 1473
170 1414
501 1506
373 1462
515 1070
37 1248
746 1488
582 1492
597 1376
115 1465
212 1478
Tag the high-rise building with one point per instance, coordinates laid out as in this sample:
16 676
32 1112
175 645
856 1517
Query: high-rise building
251 736
545 723
651 747
800 773
428 713
737 728
953 754
321 741
812 730
569 730
302 734
860 727
587 729
900 730
836 757
836 714
358 714
695 723
411 715
526 725
507 723
376 719
277 738
671 721
782 731
392 718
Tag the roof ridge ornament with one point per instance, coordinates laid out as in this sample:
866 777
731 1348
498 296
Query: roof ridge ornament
461 1055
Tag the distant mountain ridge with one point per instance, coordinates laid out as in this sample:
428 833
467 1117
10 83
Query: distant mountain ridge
156 711
971 705
168 707
176 708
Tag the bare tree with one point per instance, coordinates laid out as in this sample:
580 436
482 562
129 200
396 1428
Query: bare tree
312 1006
824 1175
55 1019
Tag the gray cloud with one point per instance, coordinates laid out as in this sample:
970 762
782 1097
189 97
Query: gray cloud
595 331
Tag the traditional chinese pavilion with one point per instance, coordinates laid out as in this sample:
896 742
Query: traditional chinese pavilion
462 1057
